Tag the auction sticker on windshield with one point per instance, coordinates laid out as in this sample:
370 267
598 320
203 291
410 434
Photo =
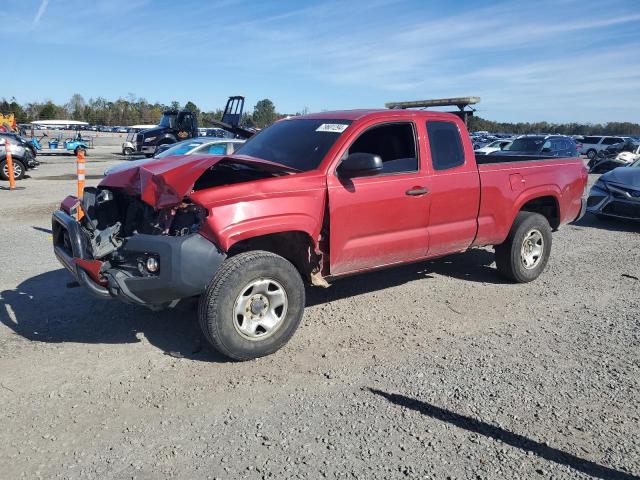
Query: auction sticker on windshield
332 127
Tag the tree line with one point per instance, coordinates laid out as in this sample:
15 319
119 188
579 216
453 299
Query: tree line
136 110
126 111
611 128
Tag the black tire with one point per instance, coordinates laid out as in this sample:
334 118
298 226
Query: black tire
217 307
509 258
591 154
18 170
79 149
127 151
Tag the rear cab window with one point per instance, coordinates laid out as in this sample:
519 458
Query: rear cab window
445 144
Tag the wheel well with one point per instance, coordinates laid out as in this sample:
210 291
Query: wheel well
295 246
545 206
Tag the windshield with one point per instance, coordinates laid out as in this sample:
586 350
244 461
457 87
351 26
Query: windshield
525 144
180 148
299 143
168 120
635 164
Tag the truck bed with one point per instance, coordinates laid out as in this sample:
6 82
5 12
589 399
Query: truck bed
510 182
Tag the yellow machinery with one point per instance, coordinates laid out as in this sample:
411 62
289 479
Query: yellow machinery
8 123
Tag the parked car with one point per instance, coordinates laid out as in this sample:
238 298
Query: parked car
192 146
592 144
481 142
616 193
200 146
578 142
494 146
22 158
545 145
16 139
617 155
308 200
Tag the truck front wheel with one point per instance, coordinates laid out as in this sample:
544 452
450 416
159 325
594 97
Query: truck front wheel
253 305
524 254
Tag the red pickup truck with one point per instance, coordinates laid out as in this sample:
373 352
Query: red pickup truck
308 200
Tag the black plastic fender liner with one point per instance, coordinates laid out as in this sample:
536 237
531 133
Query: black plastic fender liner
187 266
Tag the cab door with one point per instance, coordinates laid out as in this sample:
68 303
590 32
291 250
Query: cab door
454 185
383 219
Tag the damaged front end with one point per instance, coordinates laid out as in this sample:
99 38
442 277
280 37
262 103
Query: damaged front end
124 248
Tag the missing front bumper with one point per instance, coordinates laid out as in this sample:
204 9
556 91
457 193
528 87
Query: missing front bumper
187 264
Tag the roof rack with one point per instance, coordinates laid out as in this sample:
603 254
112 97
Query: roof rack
461 102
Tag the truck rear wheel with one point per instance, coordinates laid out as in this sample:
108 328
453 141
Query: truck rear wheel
524 254
253 305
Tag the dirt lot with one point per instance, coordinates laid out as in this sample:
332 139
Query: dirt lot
434 370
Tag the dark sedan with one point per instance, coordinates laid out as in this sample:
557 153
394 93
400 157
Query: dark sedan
617 193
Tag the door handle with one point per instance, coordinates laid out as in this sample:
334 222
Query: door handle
417 191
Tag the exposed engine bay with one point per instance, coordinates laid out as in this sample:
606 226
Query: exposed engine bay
111 214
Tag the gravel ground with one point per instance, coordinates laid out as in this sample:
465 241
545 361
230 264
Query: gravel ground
434 370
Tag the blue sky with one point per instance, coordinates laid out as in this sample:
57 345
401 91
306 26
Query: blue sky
560 60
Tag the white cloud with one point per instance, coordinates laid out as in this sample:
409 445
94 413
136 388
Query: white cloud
41 11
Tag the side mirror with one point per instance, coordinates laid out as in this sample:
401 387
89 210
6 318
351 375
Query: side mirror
546 150
360 165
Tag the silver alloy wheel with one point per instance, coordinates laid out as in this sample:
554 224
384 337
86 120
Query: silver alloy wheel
17 170
532 249
260 309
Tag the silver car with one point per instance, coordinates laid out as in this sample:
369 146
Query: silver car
200 146
192 146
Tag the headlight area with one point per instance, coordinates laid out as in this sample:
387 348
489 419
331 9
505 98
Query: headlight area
597 194
184 219
600 185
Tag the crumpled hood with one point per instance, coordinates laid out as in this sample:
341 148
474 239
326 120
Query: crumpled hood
161 182
629 176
